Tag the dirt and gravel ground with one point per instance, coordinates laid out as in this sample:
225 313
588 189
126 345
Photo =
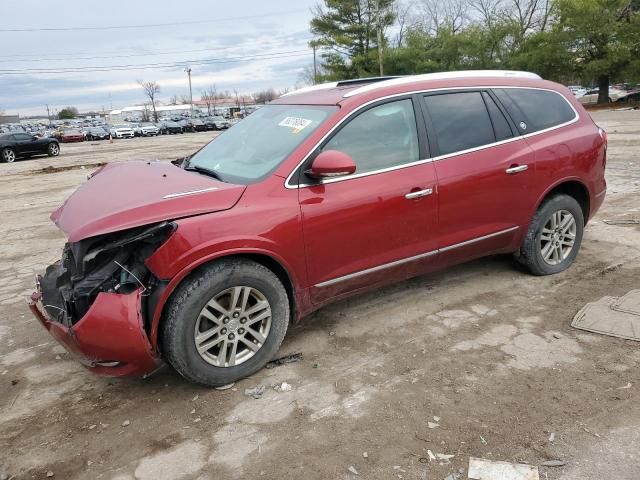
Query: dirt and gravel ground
483 350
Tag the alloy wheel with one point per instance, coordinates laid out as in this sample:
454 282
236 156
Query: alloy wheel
558 237
54 149
8 155
233 326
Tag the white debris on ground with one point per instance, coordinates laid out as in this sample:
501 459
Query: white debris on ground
481 469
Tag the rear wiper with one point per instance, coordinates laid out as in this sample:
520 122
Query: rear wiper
205 171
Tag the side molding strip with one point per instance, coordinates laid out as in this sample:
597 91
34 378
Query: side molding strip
384 266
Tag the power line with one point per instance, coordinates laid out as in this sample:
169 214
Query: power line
148 25
107 68
144 54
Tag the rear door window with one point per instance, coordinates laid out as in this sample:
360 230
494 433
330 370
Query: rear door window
460 121
533 110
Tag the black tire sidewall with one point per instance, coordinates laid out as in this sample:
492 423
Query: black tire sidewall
195 293
532 247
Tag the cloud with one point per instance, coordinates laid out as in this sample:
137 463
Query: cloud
281 29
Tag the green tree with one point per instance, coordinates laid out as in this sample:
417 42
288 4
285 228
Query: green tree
348 31
604 36
68 113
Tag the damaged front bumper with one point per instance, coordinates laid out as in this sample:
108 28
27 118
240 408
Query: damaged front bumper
109 339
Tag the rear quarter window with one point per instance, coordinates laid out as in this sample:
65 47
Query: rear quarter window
534 110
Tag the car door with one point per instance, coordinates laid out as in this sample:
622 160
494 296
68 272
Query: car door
24 143
378 224
484 169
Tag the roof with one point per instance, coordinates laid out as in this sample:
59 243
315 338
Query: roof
335 92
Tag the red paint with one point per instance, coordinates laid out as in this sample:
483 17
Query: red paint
318 233
112 330
330 163
133 194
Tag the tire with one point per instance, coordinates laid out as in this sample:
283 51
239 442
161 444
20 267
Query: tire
545 237
188 311
8 155
53 150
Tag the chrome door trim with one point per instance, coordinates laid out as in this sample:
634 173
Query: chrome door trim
477 239
375 269
287 182
419 194
411 259
516 169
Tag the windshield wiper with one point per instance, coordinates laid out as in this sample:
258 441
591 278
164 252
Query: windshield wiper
204 171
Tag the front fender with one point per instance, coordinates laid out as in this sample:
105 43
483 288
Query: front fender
202 256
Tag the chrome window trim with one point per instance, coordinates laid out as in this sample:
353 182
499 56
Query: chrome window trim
402 261
289 185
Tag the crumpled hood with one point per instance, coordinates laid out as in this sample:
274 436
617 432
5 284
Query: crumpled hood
131 194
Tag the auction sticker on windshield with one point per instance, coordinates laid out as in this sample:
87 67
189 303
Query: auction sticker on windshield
296 123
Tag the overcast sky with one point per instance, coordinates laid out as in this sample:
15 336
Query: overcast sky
219 35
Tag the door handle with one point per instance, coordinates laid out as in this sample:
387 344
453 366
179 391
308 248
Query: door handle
516 169
419 194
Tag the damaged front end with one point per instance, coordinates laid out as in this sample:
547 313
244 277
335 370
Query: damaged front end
96 298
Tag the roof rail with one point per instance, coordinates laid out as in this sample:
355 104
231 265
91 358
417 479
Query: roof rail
356 81
340 83
441 76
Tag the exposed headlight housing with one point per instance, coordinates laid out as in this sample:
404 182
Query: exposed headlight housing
113 263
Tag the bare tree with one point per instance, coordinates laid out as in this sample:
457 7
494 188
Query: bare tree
146 113
235 92
441 15
209 96
151 90
403 14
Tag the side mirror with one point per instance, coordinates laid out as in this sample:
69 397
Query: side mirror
330 164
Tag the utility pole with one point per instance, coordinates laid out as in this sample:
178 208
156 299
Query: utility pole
379 38
48 116
315 64
188 70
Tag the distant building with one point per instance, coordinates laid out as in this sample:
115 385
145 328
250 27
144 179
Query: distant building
9 119
227 107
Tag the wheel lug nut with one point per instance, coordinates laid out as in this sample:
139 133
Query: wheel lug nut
225 320
231 336
236 314
223 331
241 331
243 320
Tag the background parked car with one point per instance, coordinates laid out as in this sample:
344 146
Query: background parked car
591 96
15 145
632 95
217 123
97 133
69 136
197 125
148 129
121 131
170 127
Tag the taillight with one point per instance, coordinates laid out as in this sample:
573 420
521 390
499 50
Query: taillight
603 135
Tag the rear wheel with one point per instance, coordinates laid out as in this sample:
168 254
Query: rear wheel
8 155
554 236
53 150
225 322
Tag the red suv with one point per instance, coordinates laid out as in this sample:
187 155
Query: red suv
325 192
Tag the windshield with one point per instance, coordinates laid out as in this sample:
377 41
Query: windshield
253 148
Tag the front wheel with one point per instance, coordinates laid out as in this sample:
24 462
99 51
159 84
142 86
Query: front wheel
8 155
554 236
225 322
53 150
